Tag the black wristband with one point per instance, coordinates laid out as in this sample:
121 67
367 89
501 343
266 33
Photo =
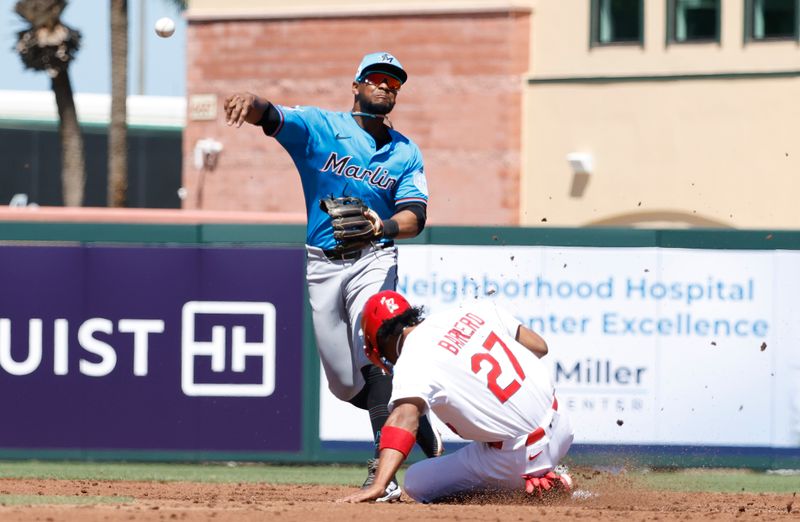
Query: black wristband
270 120
265 118
390 228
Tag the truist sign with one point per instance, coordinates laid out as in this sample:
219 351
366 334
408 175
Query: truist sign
151 348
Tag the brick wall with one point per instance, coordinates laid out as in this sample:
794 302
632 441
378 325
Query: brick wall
462 104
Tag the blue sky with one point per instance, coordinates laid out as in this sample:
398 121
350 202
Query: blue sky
165 58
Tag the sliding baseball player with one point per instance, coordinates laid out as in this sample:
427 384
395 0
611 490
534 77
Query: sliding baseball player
479 370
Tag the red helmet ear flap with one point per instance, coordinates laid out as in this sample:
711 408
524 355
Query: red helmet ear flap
375 358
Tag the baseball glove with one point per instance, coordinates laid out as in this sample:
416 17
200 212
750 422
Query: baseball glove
351 227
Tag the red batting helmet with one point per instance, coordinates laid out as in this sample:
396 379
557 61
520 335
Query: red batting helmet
379 308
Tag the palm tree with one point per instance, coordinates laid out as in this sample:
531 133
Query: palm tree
49 45
118 128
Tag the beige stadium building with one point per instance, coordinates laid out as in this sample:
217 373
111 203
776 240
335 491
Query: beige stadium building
558 113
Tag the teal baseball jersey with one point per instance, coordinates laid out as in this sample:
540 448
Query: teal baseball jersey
336 157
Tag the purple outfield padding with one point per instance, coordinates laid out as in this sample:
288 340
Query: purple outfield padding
151 348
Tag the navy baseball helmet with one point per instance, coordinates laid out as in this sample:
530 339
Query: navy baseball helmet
382 62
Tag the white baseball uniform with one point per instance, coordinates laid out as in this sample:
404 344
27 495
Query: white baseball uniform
471 372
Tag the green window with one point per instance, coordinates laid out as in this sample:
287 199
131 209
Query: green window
617 21
772 19
694 20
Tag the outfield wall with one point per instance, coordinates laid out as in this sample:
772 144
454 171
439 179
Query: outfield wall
193 341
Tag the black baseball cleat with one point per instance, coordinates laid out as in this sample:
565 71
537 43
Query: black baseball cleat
393 490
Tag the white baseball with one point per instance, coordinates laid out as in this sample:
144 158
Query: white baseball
165 27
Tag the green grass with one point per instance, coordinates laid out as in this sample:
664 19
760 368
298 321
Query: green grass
716 480
30 500
288 474
719 480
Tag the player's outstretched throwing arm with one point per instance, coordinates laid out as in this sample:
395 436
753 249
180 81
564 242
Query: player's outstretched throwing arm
247 107
243 107
397 440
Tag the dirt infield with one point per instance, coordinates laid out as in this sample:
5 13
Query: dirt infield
158 501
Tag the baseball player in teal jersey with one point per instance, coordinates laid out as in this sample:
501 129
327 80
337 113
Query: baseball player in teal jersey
355 154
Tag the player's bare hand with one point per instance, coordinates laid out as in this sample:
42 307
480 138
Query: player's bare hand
365 495
243 107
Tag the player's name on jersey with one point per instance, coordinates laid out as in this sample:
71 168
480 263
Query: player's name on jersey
460 333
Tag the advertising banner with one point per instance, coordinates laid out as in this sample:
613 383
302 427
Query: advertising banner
647 345
151 348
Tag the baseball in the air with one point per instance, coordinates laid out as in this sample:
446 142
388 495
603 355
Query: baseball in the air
165 27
